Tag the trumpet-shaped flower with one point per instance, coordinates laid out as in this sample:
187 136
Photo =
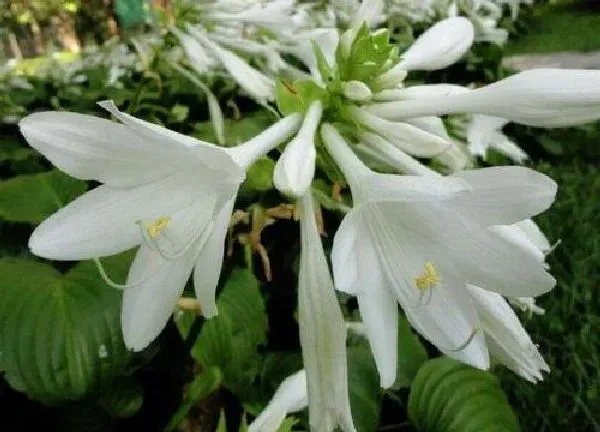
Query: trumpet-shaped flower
290 396
169 193
537 97
419 240
322 332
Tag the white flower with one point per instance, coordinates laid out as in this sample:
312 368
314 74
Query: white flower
254 82
295 168
167 192
290 396
439 47
537 97
485 132
507 340
322 332
419 240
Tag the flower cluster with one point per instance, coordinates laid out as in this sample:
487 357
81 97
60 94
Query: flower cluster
453 251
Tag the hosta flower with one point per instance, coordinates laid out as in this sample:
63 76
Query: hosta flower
322 332
168 193
419 240
290 396
537 97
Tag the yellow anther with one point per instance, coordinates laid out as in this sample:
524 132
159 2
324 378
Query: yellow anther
156 227
429 278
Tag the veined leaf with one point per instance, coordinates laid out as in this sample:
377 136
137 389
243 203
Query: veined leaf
32 198
61 334
363 387
447 395
411 354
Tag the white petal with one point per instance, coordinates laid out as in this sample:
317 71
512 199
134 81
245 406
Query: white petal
440 46
199 59
537 97
214 159
148 307
322 332
460 248
419 92
356 91
344 255
534 234
255 83
369 12
507 339
290 396
514 235
454 158
448 319
505 195
210 260
105 221
393 156
379 312
91 148
406 137
295 168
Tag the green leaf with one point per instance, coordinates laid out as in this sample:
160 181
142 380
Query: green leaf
259 178
363 387
230 340
12 150
447 395
201 387
32 198
61 334
297 96
411 354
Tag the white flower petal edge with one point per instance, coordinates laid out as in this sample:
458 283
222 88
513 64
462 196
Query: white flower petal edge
295 168
485 132
537 97
508 341
290 396
322 332
440 46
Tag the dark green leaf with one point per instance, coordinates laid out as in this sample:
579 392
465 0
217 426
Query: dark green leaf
363 386
411 354
32 198
61 334
447 395
230 340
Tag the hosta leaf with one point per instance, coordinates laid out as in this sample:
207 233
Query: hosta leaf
237 131
60 335
230 340
363 387
32 198
447 395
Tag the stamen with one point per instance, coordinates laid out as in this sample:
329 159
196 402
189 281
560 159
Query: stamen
154 229
115 285
428 279
465 343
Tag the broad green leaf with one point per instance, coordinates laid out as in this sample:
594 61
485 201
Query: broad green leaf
230 340
201 387
363 386
12 150
411 354
61 334
32 198
447 395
